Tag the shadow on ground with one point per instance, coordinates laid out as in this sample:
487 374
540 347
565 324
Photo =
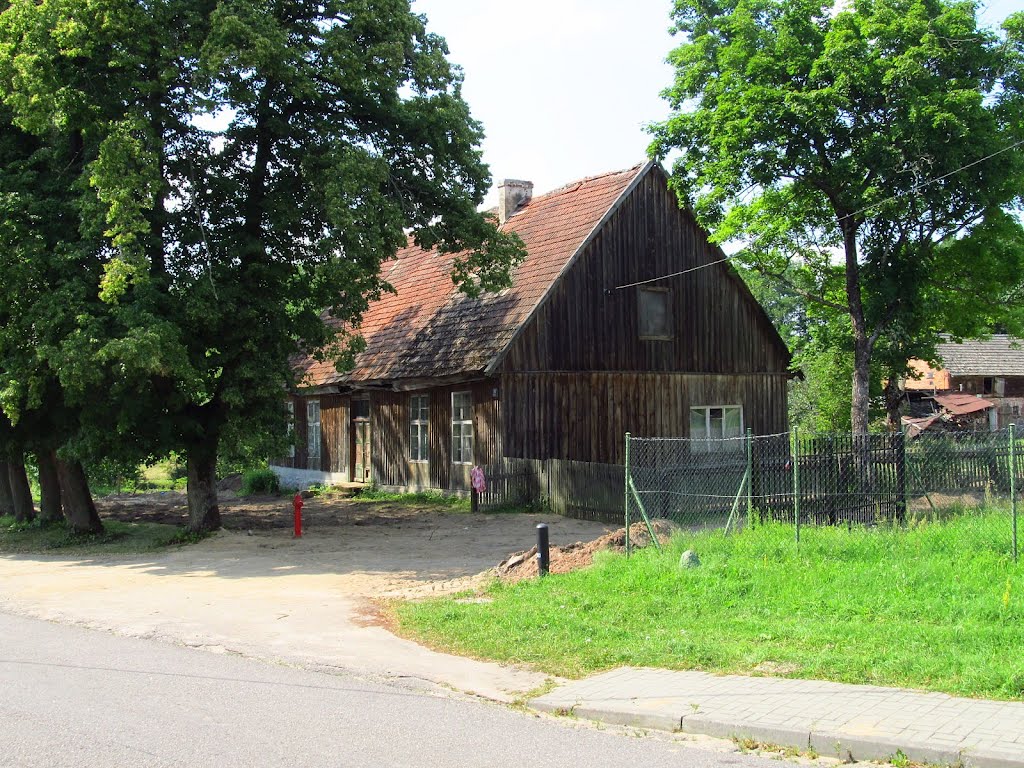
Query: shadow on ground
378 548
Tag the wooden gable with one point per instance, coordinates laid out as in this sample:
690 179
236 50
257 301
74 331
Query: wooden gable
593 317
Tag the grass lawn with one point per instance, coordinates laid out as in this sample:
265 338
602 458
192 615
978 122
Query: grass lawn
118 538
938 607
160 477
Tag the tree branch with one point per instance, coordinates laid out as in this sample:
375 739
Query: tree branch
800 291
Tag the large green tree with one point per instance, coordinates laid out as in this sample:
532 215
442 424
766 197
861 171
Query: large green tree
866 134
50 275
976 288
817 335
248 167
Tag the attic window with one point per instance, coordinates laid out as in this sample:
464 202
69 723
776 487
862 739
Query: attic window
655 313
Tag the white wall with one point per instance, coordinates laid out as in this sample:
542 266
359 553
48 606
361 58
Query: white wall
304 478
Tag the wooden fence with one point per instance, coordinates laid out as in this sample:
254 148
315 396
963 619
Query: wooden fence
578 489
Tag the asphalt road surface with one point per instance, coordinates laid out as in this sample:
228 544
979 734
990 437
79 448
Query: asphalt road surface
74 697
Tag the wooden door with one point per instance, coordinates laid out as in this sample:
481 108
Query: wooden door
361 439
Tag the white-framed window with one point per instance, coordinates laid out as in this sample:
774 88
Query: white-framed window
290 407
419 418
313 430
715 422
654 308
462 428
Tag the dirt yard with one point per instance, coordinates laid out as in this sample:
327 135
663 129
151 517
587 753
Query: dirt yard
252 513
378 549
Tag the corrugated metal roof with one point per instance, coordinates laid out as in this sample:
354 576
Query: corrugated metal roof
1000 355
429 329
961 404
915 426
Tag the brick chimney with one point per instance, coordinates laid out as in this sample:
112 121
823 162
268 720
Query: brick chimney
512 194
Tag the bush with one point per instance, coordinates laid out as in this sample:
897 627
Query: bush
260 481
113 476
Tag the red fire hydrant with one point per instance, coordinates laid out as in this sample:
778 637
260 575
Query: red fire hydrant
297 508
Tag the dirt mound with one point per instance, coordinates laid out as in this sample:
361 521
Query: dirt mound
523 565
230 483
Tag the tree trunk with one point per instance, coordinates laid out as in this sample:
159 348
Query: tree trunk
862 345
6 497
51 509
78 504
21 491
893 404
203 509
861 402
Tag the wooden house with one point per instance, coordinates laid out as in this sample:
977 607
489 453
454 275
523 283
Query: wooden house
623 317
991 368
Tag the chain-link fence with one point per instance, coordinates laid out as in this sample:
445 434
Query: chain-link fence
837 480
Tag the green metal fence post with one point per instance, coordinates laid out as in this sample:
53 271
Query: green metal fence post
750 478
795 437
625 486
1013 485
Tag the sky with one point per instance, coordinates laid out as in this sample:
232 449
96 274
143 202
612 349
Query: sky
564 87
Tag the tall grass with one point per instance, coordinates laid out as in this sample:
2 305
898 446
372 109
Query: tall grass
939 606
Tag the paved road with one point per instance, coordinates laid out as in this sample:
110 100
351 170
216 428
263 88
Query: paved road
74 697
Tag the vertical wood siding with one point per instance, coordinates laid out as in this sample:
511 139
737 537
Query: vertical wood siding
487 444
391 426
585 417
334 434
587 325
440 437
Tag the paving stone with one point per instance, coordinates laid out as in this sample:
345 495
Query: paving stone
870 722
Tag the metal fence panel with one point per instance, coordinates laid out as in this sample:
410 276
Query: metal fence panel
826 479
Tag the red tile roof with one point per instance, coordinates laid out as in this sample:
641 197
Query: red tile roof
429 329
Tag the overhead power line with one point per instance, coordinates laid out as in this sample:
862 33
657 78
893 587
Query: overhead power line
866 208
929 182
675 274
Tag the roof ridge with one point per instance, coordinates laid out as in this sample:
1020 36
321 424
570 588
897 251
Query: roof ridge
572 185
947 338
427 328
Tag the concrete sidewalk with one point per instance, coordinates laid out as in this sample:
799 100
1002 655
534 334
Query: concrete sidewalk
859 722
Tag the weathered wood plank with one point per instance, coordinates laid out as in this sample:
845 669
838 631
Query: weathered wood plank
648 405
589 325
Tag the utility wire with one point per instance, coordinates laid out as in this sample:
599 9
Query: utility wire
675 274
916 187
929 182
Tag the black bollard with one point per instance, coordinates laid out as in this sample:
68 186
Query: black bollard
543 555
